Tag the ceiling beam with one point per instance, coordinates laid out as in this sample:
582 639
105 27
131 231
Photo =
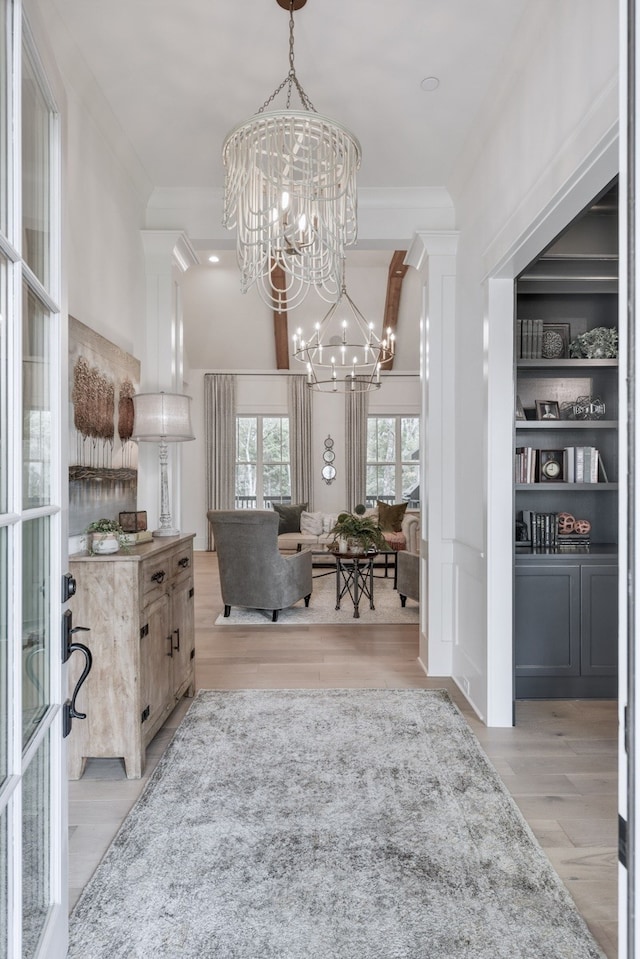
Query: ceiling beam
397 271
280 317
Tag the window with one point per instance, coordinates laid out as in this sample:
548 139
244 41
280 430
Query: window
263 471
393 460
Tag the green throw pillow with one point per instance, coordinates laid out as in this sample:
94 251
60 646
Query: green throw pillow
289 517
390 517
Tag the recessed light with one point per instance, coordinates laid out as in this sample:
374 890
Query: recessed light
214 259
430 84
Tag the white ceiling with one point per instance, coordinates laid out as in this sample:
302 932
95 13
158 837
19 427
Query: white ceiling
180 75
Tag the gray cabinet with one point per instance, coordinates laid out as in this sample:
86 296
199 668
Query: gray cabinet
566 625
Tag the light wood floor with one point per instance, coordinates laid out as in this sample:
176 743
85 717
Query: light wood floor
559 762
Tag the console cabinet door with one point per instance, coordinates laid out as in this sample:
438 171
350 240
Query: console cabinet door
182 636
547 621
155 659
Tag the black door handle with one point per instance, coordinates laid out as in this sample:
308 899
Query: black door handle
69 711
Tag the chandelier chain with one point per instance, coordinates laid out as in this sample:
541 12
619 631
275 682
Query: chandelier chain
291 78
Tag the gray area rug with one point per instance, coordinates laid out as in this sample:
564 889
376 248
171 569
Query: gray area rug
326 824
322 608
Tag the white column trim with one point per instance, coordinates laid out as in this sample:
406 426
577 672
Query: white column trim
433 254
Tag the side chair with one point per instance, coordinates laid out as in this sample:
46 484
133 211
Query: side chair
253 573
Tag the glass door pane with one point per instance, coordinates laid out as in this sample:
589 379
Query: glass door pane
36 817
36 631
4 649
36 171
4 115
36 346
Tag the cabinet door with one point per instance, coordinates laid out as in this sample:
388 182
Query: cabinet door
547 621
155 658
599 620
182 634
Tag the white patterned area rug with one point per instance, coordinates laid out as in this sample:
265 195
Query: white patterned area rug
322 607
326 824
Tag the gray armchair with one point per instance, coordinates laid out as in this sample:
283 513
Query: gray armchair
408 576
252 571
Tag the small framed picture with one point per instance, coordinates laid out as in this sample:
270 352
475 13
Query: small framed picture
555 341
133 522
550 466
547 410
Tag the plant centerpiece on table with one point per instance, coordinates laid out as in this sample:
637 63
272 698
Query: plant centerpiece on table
357 533
104 536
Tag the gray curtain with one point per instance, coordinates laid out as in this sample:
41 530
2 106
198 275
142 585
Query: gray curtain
356 407
300 420
220 431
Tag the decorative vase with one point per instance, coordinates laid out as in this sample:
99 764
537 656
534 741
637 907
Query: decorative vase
355 547
103 543
343 545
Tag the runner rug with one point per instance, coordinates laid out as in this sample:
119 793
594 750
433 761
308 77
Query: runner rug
342 824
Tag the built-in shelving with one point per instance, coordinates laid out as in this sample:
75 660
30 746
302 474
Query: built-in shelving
565 599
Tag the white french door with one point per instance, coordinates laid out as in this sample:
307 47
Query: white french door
33 881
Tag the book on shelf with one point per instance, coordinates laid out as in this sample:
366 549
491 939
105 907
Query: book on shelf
525 464
541 531
583 464
529 339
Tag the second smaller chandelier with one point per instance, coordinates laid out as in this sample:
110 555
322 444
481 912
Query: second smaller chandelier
343 354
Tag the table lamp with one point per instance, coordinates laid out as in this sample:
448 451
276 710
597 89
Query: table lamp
162 418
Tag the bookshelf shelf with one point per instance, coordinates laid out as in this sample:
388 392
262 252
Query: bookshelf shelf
567 425
572 487
565 596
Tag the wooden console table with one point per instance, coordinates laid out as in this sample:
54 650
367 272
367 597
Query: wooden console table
139 608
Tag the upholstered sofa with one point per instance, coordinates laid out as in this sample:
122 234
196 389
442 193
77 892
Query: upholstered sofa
315 531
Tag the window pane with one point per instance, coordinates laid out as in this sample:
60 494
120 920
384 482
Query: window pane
3 385
410 438
247 439
35 172
275 439
4 67
36 629
4 640
381 439
36 345
411 485
381 482
277 483
245 486
36 804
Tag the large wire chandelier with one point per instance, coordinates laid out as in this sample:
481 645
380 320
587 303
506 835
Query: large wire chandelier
290 192
343 354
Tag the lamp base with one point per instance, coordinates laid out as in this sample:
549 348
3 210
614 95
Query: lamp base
166 531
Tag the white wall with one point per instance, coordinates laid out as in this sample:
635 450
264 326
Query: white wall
543 128
105 192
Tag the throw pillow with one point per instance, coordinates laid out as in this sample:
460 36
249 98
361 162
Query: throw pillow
391 516
329 520
311 523
289 517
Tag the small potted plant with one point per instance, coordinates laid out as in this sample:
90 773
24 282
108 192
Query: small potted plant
104 536
357 533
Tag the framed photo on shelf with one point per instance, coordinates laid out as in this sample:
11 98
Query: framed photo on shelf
550 466
555 341
547 410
